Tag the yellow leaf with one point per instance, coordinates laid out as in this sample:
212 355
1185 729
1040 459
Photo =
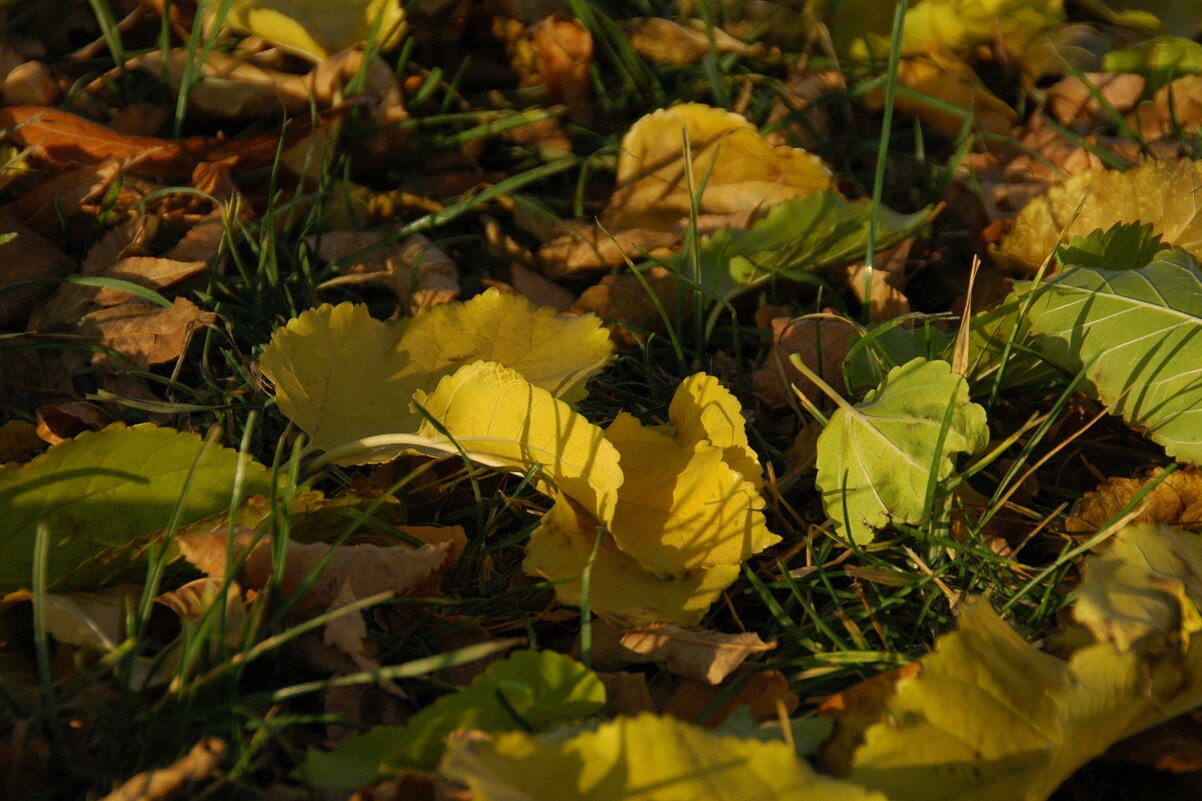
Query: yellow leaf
620 589
740 170
318 28
704 410
341 375
499 418
682 507
947 80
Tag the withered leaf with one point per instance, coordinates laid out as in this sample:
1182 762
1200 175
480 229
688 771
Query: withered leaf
1175 501
143 333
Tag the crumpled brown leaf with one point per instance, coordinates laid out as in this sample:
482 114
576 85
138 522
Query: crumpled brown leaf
760 692
1175 501
26 257
626 306
700 654
665 41
145 334
65 420
420 273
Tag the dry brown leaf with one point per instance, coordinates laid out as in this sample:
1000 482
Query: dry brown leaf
30 83
885 297
664 41
1175 109
203 240
43 207
144 333
193 599
26 257
626 308
564 50
821 342
760 692
626 693
130 238
158 785
542 291
586 248
708 656
1175 501
1074 103
71 302
65 420
417 270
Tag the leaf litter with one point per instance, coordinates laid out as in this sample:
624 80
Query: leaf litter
714 429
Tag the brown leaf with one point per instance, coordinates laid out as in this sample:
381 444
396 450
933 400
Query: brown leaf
43 207
1074 102
19 441
760 692
623 304
1176 109
32 83
564 49
417 270
821 342
626 693
708 656
64 421
26 257
665 41
855 709
1176 501
158 785
947 79
144 333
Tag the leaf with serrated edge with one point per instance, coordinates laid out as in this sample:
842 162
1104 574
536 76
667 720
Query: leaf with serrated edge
103 491
876 457
542 688
643 758
341 375
1140 333
702 410
498 417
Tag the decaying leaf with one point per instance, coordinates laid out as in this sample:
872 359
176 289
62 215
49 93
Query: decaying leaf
820 343
611 763
1175 501
143 333
25 257
66 420
763 694
418 271
665 41
877 459
200 763
708 656
341 375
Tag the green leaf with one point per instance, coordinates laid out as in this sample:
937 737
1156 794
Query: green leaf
103 491
1160 193
989 717
796 238
532 690
1122 246
643 758
1137 335
877 459
1160 59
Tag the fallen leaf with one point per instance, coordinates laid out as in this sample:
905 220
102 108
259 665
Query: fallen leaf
341 375
665 41
417 270
28 256
67 420
616 766
1175 501
1175 109
820 342
142 333
198 764
564 49
940 80
316 28
760 692
19 441
632 307
700 654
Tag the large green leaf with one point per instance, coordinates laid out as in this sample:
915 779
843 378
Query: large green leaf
101 492
644 758
989 717
529 689
876 459
1163 194
1138 336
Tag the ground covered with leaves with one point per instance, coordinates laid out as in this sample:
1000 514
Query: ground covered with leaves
500 399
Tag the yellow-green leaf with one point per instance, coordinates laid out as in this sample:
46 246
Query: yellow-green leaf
341 375
318 28
644 758
1160 193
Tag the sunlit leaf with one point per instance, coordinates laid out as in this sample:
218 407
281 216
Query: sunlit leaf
1159 59
702 410
1135 333
341 375
103 491
639 759
1122 246
876 459
539 689
1163 194
942 92
318 28
989 716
